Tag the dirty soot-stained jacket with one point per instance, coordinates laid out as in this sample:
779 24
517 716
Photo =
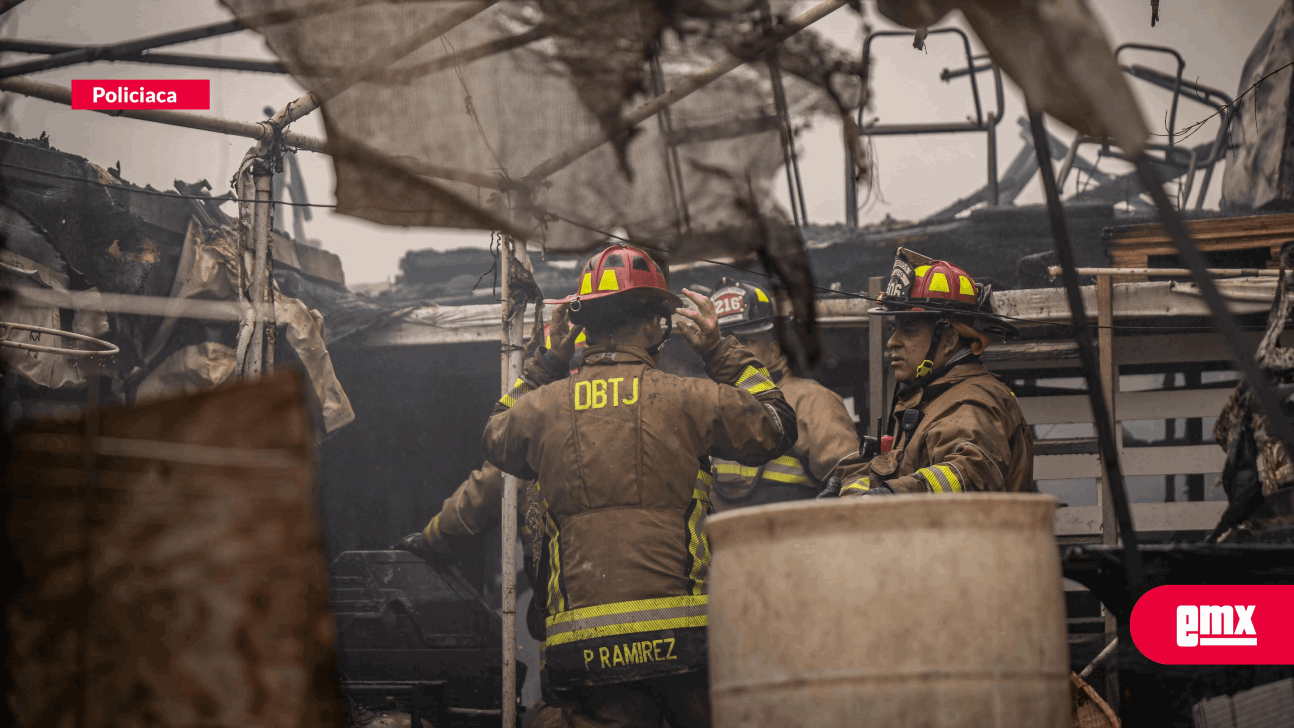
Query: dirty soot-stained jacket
972 437
827 445
474 507
622 452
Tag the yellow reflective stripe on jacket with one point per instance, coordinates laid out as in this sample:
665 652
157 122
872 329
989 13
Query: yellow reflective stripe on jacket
556 597
857 486
698 542
755 380
786 469
519 388
941 478
432 528
607 620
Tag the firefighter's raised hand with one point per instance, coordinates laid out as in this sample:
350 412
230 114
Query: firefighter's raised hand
701 327
563 334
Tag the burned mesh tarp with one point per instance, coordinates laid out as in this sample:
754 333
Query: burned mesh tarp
495 120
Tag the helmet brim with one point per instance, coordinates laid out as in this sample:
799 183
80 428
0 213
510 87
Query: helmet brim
666 297
993 323
748 327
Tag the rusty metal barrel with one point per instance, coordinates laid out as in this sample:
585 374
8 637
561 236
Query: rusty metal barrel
907 610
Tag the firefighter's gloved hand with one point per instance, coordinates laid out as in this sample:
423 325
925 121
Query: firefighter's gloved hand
701 329
418 545
832 490
868 448
563 334
881 489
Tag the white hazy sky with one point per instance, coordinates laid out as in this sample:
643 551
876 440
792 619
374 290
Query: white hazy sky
915 175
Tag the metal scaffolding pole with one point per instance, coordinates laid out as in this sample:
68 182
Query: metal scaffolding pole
512 352
261 357
89 54
166 59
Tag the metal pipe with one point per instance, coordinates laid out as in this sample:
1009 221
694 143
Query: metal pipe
673 166
88 54
955 127
511 370
132 47
170 59
992 161
783 115
1111 468
1104 654
1278 423
258 131
264 180
263 131
1056 270
689 86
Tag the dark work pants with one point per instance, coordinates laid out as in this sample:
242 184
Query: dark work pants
679 701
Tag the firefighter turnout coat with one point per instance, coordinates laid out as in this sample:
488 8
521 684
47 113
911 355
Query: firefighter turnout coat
473 508
827 445
971 436
621 452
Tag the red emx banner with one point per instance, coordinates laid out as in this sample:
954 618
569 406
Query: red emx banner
1216 624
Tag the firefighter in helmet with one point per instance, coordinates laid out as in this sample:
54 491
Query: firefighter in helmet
956 427
621 452
828 443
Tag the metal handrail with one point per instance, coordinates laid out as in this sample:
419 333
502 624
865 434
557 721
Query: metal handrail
980 124
1177 86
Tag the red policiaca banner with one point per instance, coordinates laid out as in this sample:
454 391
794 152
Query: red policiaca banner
1216 624
171 94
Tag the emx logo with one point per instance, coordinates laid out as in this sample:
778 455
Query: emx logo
1217 620
1216 625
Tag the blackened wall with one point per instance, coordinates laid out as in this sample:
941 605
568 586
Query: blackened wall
419 414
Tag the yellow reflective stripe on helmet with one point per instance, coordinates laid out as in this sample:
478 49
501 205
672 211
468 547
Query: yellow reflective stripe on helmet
643 615
519 388
966 288
608 282
586 284
755 380
698 543
921 271
939 282
759 294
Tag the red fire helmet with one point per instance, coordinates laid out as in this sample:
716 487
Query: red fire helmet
622 269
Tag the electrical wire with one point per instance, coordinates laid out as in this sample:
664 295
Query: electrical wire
228 197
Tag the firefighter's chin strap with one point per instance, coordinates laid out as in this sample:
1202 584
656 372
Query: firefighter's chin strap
654 349
926 372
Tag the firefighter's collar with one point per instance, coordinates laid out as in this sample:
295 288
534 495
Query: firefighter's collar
602 355
959 373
